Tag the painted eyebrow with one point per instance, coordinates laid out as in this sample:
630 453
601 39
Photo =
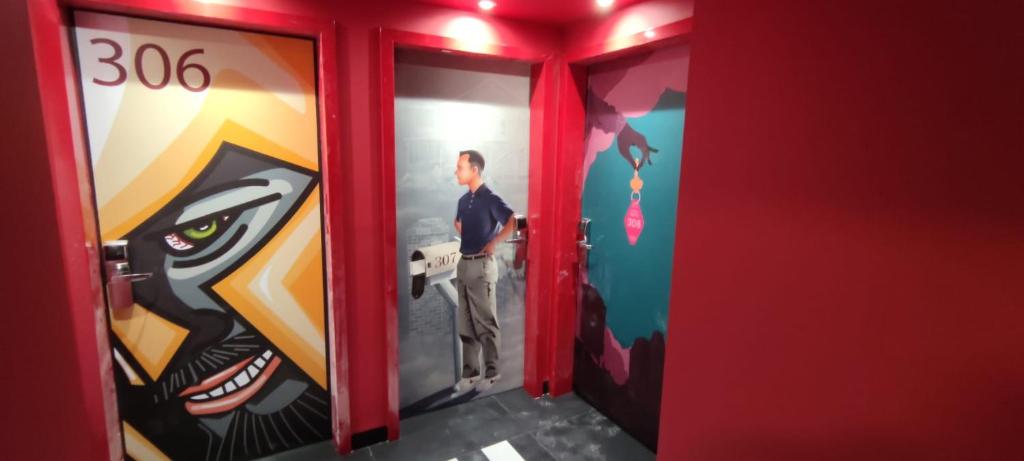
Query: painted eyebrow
237 208
214 190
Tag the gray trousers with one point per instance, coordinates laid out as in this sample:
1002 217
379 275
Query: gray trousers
478 314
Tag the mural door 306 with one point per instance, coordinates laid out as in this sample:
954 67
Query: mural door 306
204 152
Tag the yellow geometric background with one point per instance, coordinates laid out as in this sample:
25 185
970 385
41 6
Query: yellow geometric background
280 291
136 446
150 338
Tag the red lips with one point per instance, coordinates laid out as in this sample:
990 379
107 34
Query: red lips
231 387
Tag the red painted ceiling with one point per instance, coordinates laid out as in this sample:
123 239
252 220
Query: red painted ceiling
544 11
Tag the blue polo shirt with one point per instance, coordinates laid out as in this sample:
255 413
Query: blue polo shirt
482 214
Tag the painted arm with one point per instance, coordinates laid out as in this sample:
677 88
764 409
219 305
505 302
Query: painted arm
506 230
605 117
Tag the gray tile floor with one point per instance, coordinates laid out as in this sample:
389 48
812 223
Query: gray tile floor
563 429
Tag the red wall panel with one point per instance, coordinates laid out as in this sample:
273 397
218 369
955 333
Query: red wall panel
851 219
51 378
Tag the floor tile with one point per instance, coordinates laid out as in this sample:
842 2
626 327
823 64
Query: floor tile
544 409
322 451
530 449
453 431
545 429
591 436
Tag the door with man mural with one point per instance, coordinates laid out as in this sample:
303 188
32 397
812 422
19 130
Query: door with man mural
634 133
204 152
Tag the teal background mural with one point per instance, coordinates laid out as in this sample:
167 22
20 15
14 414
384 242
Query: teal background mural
634 280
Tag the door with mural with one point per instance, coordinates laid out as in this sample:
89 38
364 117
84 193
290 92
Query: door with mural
445 104
204 152
633 152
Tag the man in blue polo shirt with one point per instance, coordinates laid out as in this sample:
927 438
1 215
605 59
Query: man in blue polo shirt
484 220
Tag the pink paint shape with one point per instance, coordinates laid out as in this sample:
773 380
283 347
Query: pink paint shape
639 89
635 91
597 141
615 359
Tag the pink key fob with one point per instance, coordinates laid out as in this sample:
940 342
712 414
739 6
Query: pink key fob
634 222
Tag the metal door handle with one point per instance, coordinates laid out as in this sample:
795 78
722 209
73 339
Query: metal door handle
120 274
132 277
583 233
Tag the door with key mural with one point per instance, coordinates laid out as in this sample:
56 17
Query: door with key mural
634 132
204 151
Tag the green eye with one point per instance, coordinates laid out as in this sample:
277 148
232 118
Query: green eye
201 232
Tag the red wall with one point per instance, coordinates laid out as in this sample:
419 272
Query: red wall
851 234
52 358
27 373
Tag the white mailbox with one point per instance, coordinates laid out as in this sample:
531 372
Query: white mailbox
435 266
437 259
432 265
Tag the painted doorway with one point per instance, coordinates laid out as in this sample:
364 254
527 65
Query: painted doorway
633 151
204 151
445 104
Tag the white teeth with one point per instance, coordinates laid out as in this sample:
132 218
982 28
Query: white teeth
241 379
176 243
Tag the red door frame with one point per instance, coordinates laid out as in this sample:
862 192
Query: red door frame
569 170
542 109
57 80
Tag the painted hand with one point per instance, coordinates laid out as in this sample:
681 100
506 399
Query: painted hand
628 138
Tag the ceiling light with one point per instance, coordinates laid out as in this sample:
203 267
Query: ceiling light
486 5
605 3
471 34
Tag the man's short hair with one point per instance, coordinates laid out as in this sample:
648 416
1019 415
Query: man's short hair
475 159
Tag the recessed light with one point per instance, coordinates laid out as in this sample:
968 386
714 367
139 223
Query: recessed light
605 3
487 5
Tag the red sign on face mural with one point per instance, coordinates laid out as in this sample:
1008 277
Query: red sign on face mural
634 221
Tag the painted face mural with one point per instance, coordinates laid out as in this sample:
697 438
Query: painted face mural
223 354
